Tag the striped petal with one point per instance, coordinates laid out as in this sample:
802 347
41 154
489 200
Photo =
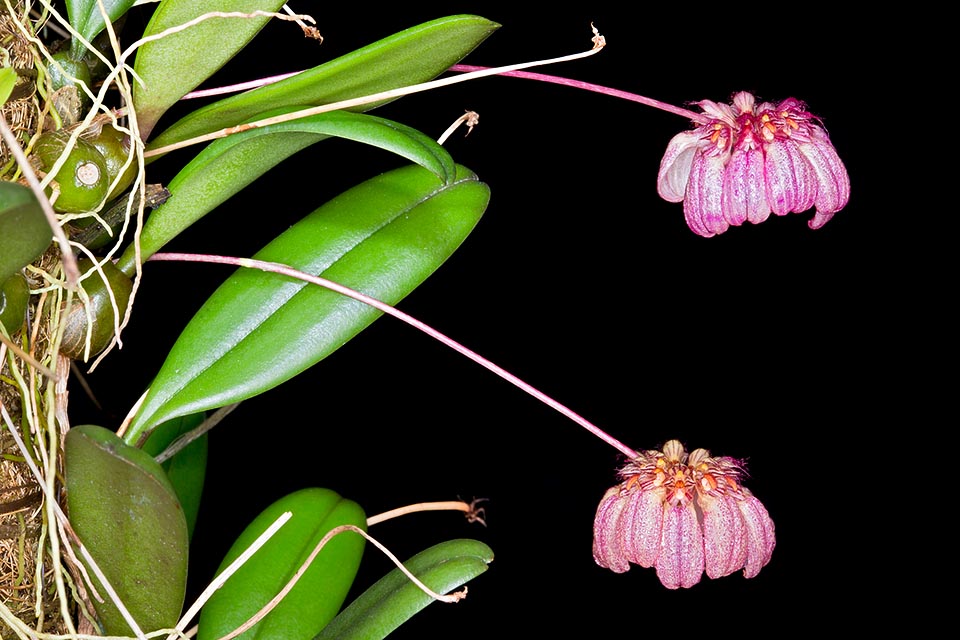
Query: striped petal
833 181
760 535
675 166
681 561
724 535
607 551
703 204
744 189
791 184
640 525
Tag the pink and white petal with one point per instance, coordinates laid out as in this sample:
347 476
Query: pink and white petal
833 181
691 202
736 187
606 542
675 166
761 539
744 102
819 219
724 536
719 111
791 184
681 561
640 525
703 205
738 559
744 190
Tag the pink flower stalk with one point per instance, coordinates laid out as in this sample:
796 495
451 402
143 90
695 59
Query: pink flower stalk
683 515
741 162
749 159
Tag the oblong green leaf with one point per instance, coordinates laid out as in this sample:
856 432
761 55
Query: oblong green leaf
415 55
175 64
394 599
383 237
187 469
24 231
126 513
8 80
320 592
85 17
228 165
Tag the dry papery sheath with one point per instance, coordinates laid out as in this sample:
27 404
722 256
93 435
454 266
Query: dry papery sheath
683 514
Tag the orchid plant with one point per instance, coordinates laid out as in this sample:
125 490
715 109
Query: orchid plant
96 521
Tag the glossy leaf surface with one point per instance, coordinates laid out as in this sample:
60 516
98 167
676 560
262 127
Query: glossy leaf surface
8 80
394 599
187 469
383 238
320 592
228 165
175 64
24 231
86 18
126 513
415 55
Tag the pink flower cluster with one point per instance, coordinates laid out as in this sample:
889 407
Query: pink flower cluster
749 159
683 515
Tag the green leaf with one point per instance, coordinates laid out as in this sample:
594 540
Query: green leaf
320 592
412 56
394 599
175 64
187 469
8 80
126 513
85 17
24 231
228 165
383 237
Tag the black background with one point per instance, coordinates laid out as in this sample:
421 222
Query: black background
766 343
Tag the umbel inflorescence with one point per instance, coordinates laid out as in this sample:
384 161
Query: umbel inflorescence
682 514
746 160
742 161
